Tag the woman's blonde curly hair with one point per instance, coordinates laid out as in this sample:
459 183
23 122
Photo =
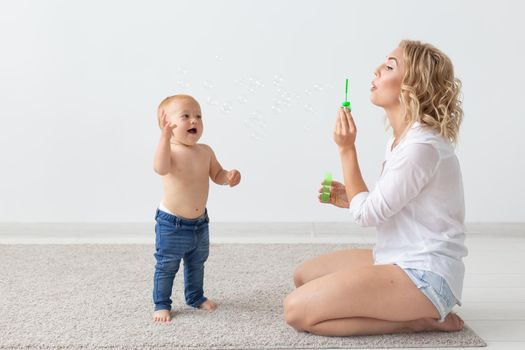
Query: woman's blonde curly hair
429 91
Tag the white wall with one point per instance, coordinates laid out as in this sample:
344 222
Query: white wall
80 82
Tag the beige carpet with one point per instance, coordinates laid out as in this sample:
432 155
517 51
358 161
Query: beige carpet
99 296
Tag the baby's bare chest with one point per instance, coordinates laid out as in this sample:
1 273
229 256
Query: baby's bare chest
194 163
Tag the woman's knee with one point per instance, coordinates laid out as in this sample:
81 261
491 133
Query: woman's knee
293 312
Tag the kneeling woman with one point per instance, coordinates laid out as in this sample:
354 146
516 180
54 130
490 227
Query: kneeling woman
413 277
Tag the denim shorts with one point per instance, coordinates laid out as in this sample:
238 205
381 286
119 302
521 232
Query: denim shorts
435 288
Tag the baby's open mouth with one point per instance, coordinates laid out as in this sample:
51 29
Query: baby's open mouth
192 131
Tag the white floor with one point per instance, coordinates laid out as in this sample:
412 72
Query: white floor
494 290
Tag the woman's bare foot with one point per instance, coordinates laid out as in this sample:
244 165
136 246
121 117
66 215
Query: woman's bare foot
452 323
208 305
162 316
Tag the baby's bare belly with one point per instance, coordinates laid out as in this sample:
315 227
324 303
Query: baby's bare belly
186 201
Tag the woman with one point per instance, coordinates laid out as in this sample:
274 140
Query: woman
413 277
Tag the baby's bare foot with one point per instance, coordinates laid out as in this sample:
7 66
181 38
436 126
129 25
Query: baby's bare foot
452 323
208 305
162 316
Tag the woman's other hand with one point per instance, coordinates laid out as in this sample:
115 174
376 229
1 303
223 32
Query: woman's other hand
337 195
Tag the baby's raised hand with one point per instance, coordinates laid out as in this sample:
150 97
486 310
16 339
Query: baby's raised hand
233 177
166 126
338 195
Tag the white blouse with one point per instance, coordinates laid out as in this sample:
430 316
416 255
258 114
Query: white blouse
418 208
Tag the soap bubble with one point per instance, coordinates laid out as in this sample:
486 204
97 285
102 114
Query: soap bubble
309 108
295 97
282 101
182 84
212 102
307 126
276 108
242 99
207 85
258 134
256 125
241 82
285 98
250 84
182 79
317 87
226 107
277 80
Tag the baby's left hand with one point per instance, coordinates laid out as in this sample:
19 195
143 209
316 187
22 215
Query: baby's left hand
234 177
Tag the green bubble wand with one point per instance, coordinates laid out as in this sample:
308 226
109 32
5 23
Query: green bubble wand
347 103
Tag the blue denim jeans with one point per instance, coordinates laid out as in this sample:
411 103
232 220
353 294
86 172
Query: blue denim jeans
175 239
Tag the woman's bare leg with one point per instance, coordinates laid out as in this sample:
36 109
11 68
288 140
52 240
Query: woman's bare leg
368 300
332 262
370 326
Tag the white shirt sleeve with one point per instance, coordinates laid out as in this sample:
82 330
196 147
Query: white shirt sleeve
406 173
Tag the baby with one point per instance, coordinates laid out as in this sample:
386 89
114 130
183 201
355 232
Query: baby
181 231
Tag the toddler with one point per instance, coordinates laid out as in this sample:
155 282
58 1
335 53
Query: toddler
181 230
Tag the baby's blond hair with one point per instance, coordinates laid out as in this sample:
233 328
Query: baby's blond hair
164 103
429 91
